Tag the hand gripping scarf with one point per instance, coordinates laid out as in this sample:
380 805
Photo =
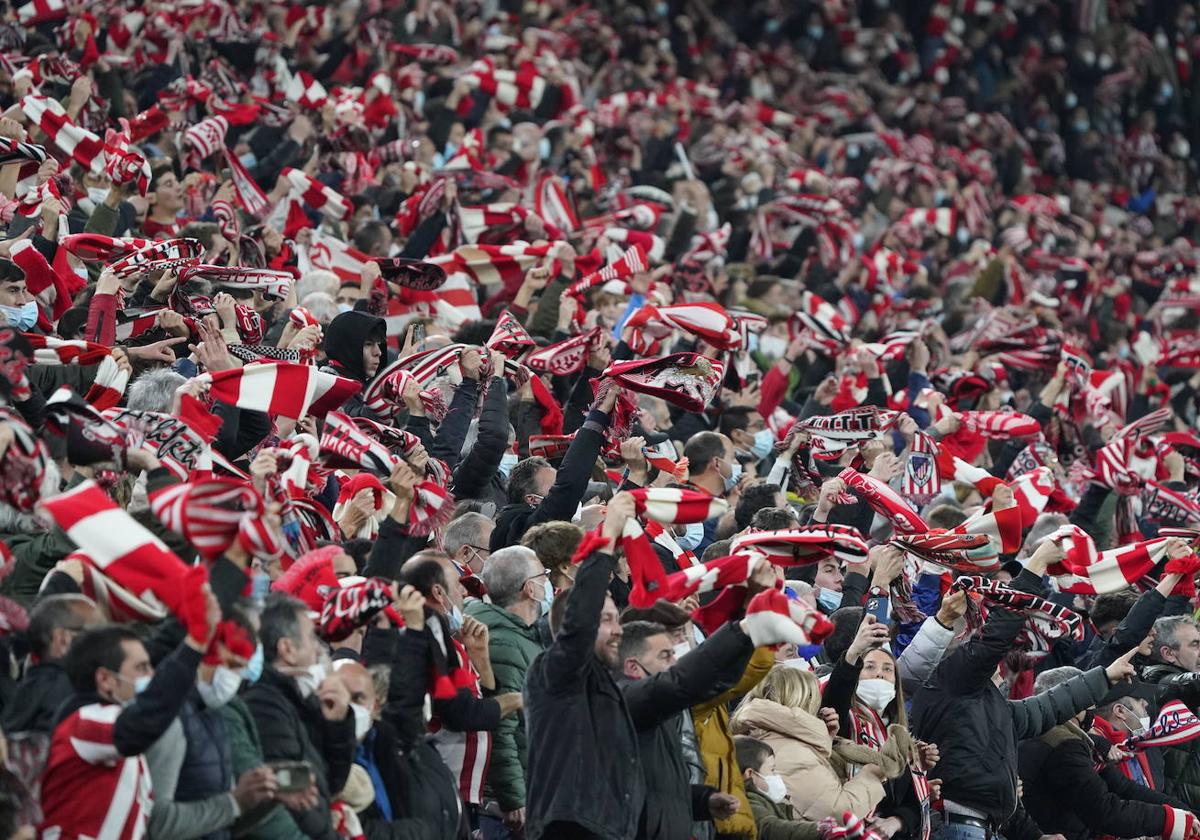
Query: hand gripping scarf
772 618
211 514
411 274
565 357
381 504
130 556
1176 724
509 337
884 501
835 432
1087 571
708 321
170 253
344 443
425 366
633 261
1045 621
850 828
353 606
384 396
316 195
272 283
687 380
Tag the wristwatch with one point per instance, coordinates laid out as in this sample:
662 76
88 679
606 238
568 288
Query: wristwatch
877 592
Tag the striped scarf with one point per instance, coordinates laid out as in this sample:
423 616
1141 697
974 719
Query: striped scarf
1045 621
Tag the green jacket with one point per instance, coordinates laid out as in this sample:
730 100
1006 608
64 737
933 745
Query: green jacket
274 822
778 821
513 646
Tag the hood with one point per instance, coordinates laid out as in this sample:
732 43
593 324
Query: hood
1069 731
758 718
344 340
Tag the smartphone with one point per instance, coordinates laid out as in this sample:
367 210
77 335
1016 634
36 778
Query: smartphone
292 776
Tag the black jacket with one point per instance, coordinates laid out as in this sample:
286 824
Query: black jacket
39 694
207 768
1133 628
655 705
567 491
473 477
584 758
1181 762
1066 795
976 728
292 728
421 791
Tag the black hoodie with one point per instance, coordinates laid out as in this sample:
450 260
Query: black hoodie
344 340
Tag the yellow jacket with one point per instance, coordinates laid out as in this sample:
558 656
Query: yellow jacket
715 742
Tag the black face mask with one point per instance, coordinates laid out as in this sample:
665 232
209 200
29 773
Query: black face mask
1089 717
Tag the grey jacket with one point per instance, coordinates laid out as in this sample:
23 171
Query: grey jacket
923 654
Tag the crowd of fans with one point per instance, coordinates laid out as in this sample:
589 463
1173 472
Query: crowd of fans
614 420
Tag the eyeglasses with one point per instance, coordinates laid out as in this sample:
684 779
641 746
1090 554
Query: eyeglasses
478 548
538 575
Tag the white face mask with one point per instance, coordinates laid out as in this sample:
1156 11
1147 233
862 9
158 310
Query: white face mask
97 194
776 790
312 677
772 346
682 649
876 693
362 721
223 688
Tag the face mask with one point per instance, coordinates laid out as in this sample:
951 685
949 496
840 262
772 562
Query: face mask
455 619
799 663
223 688
773 346
816 32
139 685
682 649
362 721
253 669
776 790
312 677
829 599
260 587
876 693
507 462
857 240
764 441
1082 126
1106 61
547 595
21 317
691 537
97 194
735 475
1143 722
938 197
248 160
345 307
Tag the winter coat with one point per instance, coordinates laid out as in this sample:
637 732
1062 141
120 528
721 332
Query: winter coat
41 692
715 740
1181 762
513 645
778 821
803 747
292 728
268 822
1065 794
344 340
923 654
976 728
567 491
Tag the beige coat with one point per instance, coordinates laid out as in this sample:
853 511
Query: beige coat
802 748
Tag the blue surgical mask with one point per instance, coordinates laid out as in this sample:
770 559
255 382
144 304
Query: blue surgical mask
735 475
260 587
692 537
248 160
21 317
764 442
829 599
254 667
455 619
345 307
547 595
507 462
816 32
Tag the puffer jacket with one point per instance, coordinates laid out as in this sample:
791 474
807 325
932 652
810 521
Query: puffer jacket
1181 762
513 645
803 749
207 768
715 739
778 821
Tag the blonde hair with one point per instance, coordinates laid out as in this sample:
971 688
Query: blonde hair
789 687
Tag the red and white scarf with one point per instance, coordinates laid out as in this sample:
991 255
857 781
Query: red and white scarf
282 389
687 380
1088 571
316 195
212 513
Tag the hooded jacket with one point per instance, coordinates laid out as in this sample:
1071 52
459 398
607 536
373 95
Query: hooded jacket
344 340
803 757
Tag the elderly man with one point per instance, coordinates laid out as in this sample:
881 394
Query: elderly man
466 540
519 586
1176 670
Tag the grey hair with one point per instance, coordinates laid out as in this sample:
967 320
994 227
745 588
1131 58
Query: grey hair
280 620
1045 525
154 390
507 570
1166 631
317 280
1048 679
52 612
322 306
464 530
